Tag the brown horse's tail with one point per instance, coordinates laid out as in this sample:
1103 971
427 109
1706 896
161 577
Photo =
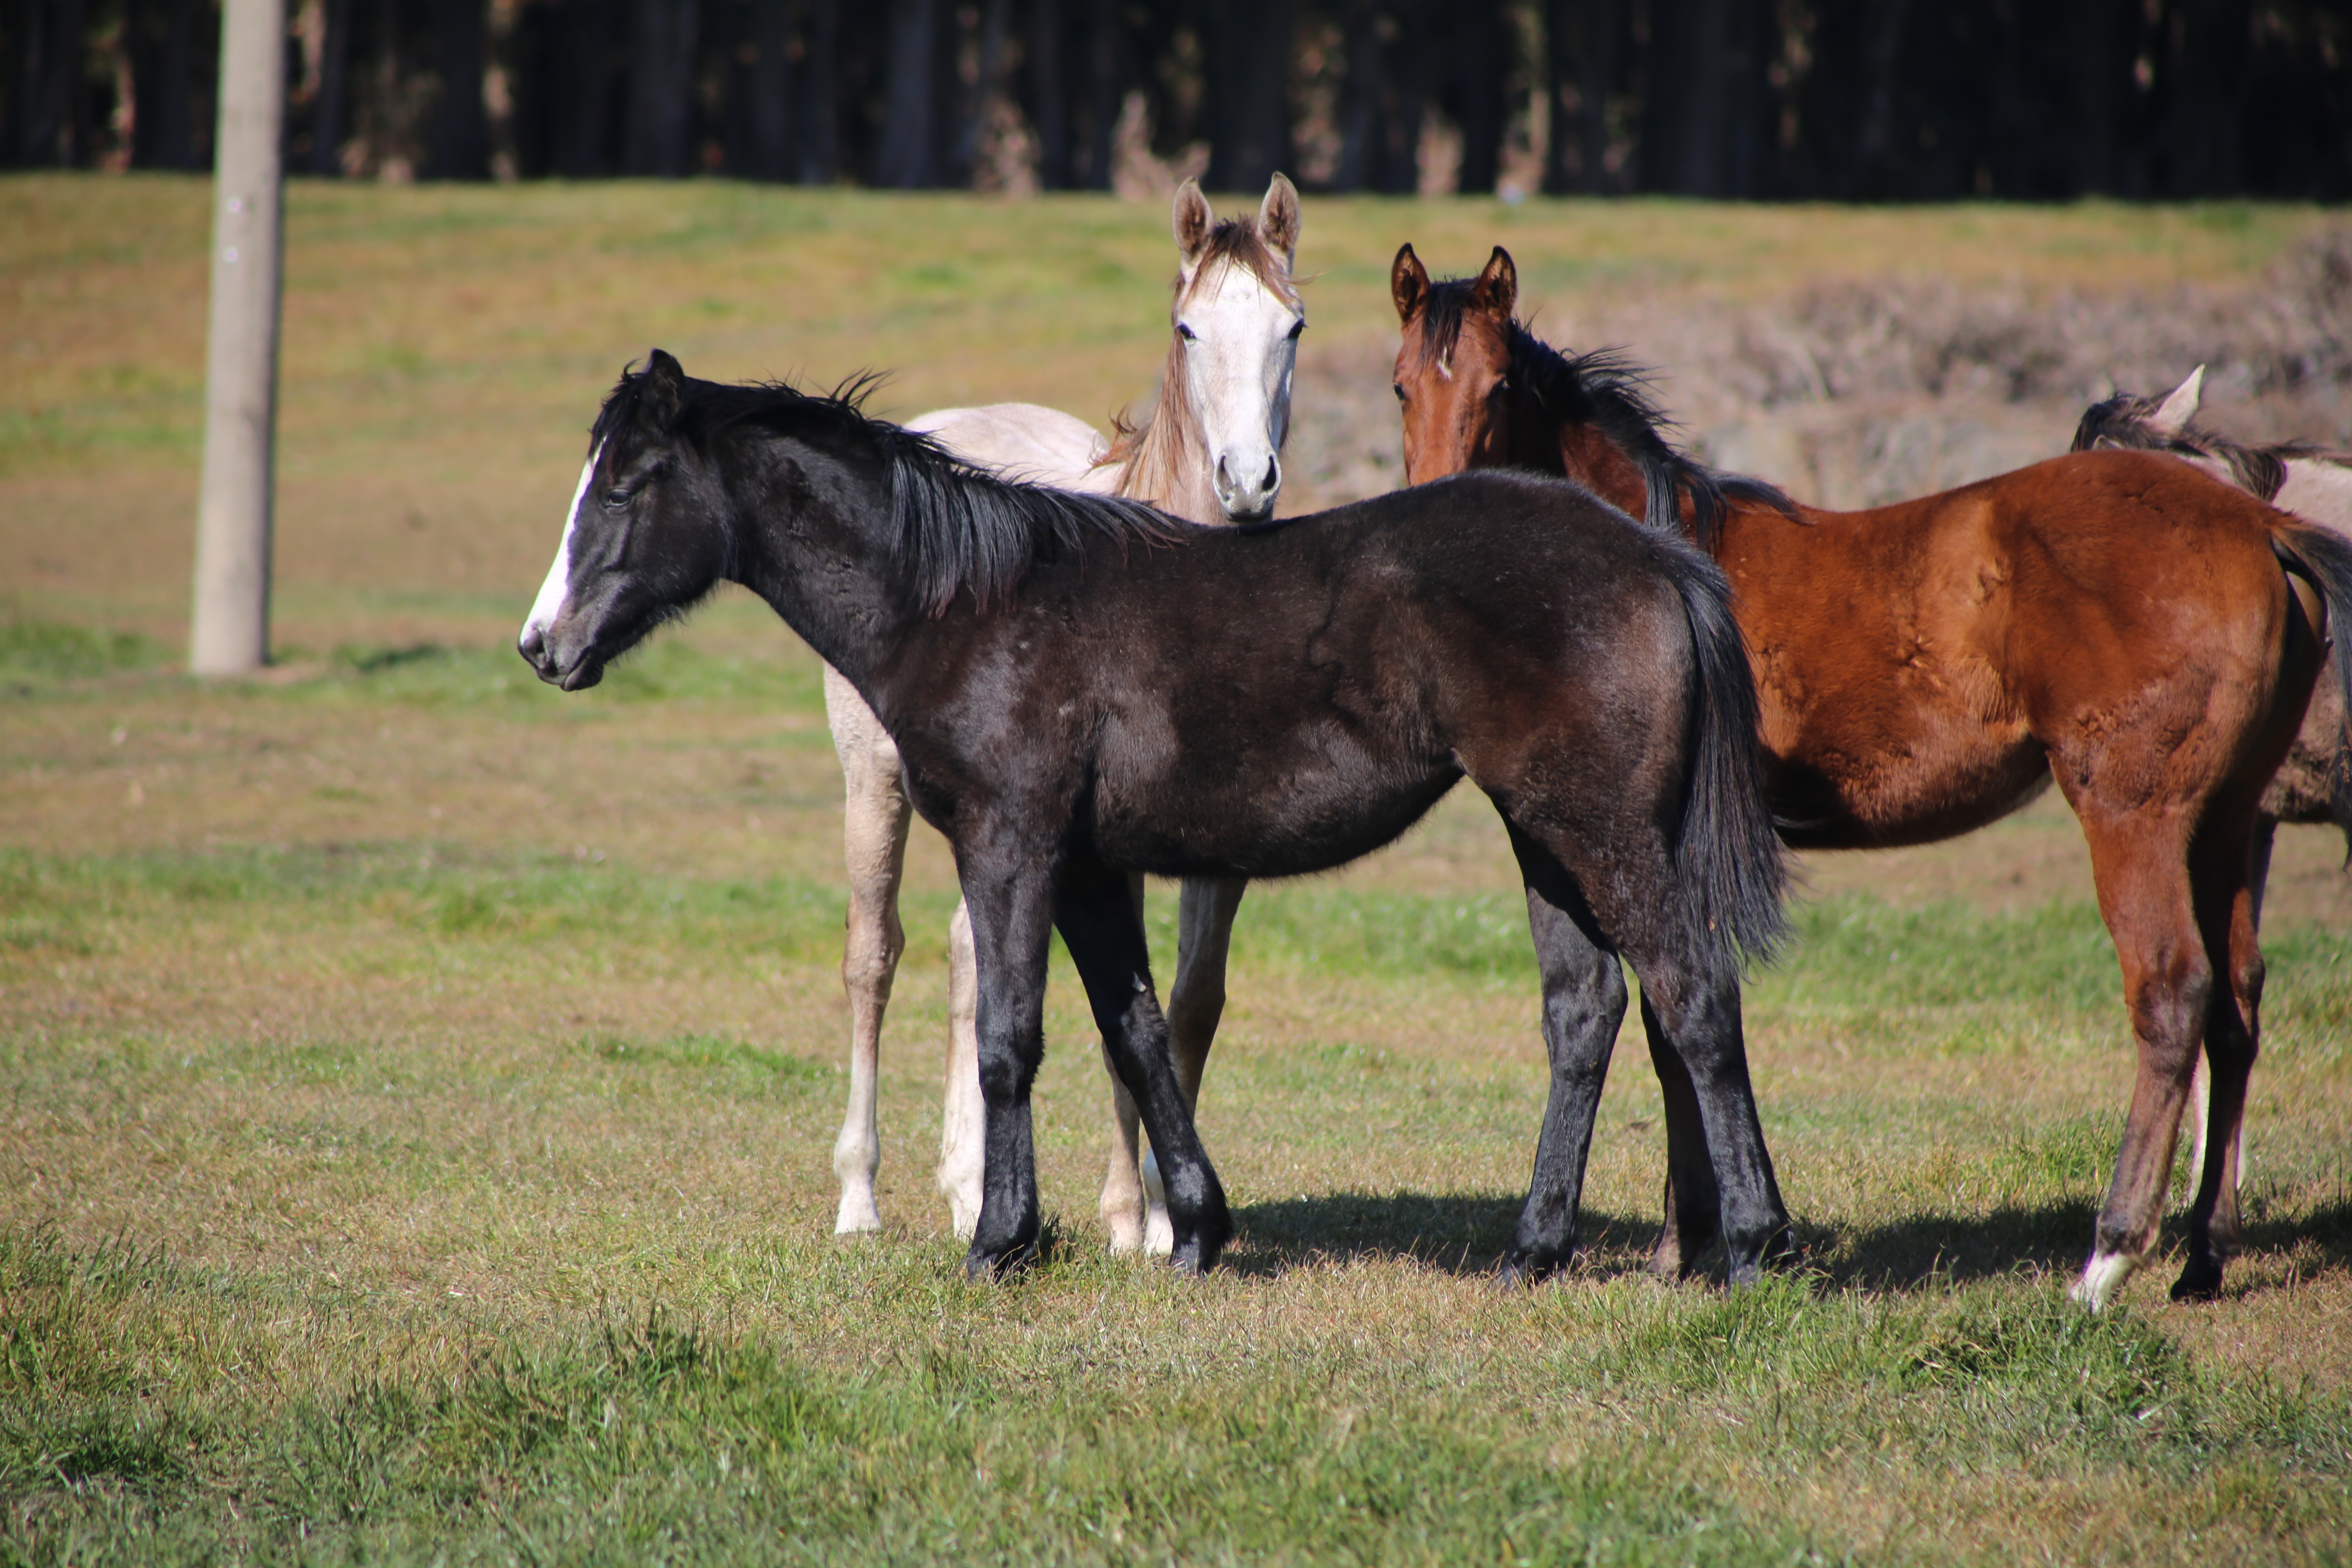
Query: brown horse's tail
1729 850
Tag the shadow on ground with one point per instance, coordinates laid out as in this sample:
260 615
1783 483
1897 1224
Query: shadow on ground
1466 1234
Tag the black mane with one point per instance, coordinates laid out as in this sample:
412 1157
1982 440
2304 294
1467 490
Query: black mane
1606 390
955 527
2123 421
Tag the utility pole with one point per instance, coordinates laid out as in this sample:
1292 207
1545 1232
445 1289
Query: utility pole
231 631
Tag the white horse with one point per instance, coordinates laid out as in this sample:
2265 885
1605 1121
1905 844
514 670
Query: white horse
1210 452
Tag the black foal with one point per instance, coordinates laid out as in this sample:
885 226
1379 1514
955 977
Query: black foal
1083 688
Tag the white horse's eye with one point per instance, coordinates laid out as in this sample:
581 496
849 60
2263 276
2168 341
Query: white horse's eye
1186 332
1295 328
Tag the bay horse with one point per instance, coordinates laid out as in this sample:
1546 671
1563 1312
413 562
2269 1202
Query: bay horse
1210 451
2314 783
1082 688
2116 620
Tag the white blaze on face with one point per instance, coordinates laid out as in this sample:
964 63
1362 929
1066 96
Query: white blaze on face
550 603
1237 370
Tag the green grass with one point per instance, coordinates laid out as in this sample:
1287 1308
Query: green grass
417 1088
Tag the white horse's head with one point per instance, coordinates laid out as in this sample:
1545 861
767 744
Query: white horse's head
1237 318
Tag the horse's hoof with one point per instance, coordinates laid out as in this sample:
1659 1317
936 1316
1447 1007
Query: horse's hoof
2200 1281
1525 1272
982 1266
1196 1253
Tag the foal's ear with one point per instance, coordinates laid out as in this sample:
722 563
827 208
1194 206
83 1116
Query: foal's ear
1498 289
661 391
1191 220
1407 284
1277 218
2179 406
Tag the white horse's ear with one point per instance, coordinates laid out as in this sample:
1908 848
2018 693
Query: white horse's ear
1407 284
1498 289
1277 218
2179 406
1191 220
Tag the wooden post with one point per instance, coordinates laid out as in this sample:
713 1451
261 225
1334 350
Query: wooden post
230 634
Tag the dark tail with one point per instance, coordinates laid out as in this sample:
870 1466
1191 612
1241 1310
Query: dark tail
2323 557
1728 851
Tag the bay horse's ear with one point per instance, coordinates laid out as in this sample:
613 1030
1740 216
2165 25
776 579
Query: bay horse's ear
1191 220
2179 406
661 392
1498 289
1407 284
1277 218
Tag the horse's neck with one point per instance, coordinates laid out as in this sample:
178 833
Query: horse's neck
829 572
2319 489
1167 465
1584 453
1170 467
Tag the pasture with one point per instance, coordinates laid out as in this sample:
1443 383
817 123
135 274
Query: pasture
417 1088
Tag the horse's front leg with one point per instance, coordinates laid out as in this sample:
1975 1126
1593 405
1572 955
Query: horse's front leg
1584 1003
1102 924
1010 900
1204 934
874 845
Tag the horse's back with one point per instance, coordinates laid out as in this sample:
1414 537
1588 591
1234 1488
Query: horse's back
1024 441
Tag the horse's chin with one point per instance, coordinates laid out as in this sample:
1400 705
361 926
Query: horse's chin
584 673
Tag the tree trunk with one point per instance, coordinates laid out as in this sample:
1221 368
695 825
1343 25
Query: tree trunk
461 149
1106 87
905 162
1599 50
329 122
661 86
1049 94
1248 91
2208 67
820 128
1478 80
1360 87
771 90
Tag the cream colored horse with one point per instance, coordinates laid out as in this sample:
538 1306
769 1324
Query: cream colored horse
1210 452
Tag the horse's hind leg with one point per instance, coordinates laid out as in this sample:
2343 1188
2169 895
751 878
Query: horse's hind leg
1122 1204
2222 874
963 1120
2141 861
1584 1004
1692 1203
874 845
2200 1084
1102 925
1204 934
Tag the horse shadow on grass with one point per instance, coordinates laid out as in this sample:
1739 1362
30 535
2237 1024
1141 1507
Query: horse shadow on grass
1464 1235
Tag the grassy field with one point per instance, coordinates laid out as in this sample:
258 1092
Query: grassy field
417 1089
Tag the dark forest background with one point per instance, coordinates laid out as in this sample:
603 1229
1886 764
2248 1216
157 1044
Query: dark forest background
1870 100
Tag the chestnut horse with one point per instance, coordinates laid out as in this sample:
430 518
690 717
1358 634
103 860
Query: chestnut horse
2119 620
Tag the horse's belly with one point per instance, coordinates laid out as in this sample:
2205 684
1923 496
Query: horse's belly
1877 791
1273 824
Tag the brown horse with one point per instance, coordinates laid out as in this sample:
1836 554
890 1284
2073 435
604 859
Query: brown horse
2119 620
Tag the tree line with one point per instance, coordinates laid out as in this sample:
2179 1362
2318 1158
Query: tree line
1855 99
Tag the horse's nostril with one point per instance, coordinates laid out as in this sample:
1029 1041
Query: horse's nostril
532 644
1272 475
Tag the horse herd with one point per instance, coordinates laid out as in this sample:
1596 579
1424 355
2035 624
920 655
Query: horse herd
1084 663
